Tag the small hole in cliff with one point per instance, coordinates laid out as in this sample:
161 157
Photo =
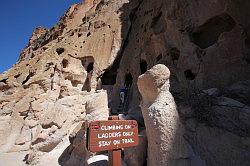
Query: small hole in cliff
128 79
31 74
159 57
18 75
48 65
88 34
207 34
4 80
65 63
83 42
143 66
189 74
32 55
85 20
72 34
60 50
79 34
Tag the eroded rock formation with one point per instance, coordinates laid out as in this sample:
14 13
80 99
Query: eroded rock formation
165 132
166 145
204 44
52 88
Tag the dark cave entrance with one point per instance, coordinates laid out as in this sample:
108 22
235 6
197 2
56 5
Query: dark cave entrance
189 74
143 66
90 67
88 64
128 81
208 33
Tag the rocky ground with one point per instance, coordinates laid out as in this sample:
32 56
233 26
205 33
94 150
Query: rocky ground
190 91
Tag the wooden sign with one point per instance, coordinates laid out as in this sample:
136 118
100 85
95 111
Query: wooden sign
112 134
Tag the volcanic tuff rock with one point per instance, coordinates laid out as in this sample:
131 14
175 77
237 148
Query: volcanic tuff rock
160 117
205 45
52 88
166 144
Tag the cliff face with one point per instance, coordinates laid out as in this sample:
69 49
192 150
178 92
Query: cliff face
45 95
205 46
94 45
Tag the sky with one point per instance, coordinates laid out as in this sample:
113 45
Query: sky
18 19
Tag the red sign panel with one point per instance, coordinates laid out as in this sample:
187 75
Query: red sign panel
112 134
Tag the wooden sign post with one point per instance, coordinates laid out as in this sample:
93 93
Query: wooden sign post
112 135
115 155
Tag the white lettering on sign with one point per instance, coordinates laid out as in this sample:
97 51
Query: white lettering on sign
127 140
116 142
104 143
109 135
115 135
127 133
112 127
112 134
127 126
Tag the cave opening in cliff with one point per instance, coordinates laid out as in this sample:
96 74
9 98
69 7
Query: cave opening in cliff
189 74
90 67
16 76
128 81
31 74
88 64
108 80
4 80
109 77
65 63
207 34
60 50
143 66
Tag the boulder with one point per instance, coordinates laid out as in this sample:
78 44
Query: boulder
96 109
